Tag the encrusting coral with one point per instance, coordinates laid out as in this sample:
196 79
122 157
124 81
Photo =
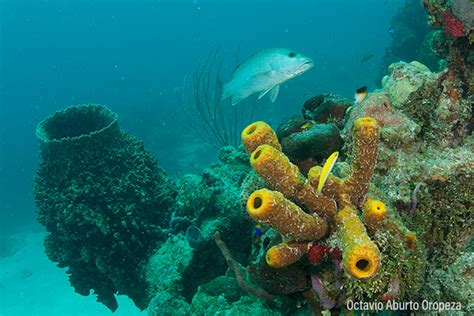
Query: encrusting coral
334 207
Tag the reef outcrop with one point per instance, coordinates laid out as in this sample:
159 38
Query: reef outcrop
425 166
300 229
411 39
326 108
205 203
314 224
310 138
102 199
393 220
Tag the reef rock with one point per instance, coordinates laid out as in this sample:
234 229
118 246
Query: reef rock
456 284
326 108
431 100
211 304
425 164
211 202
318 142
314 136
397 130
433 50
164 273
405 81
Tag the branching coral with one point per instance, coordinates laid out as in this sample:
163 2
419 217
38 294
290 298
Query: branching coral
204 111
235 267
319 213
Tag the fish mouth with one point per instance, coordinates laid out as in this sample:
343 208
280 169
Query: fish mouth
305 66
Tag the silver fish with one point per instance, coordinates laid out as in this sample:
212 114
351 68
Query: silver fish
264 72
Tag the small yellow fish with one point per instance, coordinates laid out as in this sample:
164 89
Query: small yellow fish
360 94
328 165
308 125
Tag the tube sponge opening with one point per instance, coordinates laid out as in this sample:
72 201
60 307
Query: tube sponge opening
259 133
361 257
361 261
375 213
259 204
74 122
366 126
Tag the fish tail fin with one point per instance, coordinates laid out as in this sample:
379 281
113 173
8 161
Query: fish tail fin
228 91
225 91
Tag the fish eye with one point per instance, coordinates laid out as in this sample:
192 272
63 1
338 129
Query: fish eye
292 54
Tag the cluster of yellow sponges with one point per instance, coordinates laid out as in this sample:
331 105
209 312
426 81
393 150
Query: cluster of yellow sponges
303 215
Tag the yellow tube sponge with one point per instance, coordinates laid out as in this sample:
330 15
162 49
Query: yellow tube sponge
284 254
410 240
272 208
285 177
375 214
366 140
360 256
257 134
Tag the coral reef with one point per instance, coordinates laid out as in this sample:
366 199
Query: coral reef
422 128
326 108
408 36
210 300
204 204
392 221
164 272
455 284
317 141
311 138
455 18
424 170
101 197
304 224
434 50
235 267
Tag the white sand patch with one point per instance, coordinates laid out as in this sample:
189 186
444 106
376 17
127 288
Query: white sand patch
32 285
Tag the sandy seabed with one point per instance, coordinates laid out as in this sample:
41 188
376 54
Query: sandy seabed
32 285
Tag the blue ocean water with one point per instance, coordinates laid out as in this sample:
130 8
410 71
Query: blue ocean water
133 56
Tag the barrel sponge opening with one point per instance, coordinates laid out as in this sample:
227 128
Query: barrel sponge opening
85 120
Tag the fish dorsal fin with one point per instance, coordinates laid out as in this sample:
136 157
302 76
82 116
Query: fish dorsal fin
273 90
328 165
274 93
